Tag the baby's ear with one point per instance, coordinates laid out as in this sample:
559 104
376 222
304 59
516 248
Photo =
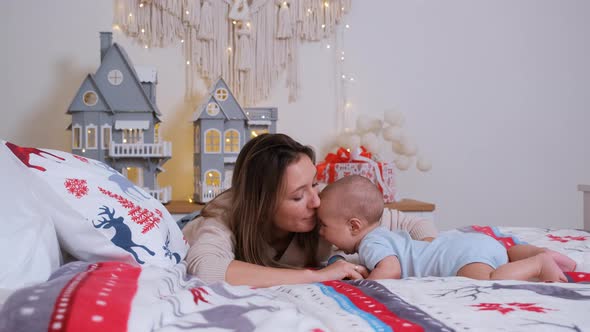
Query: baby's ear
354 225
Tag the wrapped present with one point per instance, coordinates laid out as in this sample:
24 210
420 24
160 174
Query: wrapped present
359 162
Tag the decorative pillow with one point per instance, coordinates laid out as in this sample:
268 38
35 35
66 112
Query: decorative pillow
29 251
98 213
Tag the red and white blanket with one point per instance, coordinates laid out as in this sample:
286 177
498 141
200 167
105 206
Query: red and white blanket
113 296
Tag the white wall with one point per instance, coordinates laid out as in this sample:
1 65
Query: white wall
496 93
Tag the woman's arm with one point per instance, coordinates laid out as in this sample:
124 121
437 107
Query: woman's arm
419 228
211 258
241 273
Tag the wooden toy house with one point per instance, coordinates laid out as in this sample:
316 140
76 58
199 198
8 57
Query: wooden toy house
115 119
221 128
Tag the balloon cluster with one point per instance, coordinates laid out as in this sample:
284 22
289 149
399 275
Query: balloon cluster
372 132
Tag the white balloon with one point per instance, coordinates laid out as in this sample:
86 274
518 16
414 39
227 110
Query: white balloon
371 142
366 123
394 118
363 124
423 164
397 147
410 148
393 133
402 162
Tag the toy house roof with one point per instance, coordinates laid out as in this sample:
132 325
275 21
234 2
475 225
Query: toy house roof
144 74
89 84
229 107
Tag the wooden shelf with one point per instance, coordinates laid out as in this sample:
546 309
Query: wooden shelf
405 205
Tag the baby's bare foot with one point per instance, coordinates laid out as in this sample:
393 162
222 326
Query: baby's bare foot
565 263
550 271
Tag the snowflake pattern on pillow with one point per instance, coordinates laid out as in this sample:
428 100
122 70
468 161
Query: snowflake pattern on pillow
98 213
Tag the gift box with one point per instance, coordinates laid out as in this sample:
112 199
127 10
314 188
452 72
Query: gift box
343 163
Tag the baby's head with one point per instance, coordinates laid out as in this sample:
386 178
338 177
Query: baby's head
349 208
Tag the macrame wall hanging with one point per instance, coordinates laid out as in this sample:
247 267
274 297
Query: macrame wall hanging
247 42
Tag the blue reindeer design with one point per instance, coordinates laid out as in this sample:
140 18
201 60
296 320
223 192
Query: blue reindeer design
122 237
168 252
126 186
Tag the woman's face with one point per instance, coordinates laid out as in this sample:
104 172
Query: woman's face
299 200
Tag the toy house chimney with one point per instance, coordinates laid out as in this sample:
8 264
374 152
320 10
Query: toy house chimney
106 40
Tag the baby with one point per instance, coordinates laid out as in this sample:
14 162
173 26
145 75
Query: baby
349 216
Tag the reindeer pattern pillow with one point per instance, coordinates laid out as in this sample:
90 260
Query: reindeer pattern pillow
98 214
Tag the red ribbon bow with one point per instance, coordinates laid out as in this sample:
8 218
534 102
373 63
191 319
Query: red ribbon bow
341 156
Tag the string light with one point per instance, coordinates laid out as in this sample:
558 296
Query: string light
187 12
345 107
234 22
182 40
130 14
188 62
328 46
145 46
326 4
141 5
229 49
142 30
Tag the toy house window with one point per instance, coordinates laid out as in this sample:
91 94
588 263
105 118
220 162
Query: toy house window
76 137
115 77
91 137
221 94
232 141
212 141
90 98
213 178
106 137
212 109
257 132
132 136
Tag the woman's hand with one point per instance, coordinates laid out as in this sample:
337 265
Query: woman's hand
342 269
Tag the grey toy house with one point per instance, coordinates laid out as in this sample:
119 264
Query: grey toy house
115 119
221 128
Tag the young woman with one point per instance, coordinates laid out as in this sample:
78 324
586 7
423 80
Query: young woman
263 231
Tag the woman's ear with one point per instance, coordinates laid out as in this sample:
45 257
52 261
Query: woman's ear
354 225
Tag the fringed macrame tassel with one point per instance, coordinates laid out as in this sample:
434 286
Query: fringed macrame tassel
244 48
284 26
250 61
193 8
206 22
240 11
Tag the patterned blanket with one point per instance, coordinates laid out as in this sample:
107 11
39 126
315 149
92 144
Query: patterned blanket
112 296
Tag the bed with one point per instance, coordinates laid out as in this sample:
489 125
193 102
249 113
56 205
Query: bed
116 296
128 274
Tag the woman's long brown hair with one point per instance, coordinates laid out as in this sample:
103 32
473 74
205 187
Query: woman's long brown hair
257 186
